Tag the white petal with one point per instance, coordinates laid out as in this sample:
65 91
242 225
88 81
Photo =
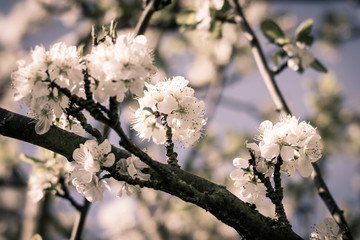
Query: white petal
287 153
168 105
110 160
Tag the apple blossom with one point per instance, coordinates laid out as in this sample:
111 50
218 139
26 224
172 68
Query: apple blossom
89 159
327 230
173 98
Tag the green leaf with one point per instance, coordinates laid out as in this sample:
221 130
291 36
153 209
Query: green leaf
186 18
318 66
271 30
36 237
29 159
304 28
282 41
306 39
215 29
278 56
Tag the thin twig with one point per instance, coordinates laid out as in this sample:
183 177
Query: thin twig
80 221
145 18
260 59
278 70
66 195
281 105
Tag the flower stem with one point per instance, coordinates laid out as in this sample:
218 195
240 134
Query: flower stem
279 207
171 156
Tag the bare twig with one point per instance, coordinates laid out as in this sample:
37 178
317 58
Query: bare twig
281 105
145 18
80 221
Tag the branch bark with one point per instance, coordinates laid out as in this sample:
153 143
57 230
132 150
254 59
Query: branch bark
212 197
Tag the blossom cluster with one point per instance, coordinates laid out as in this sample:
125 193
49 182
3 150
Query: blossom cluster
89 159
45 175
252 190
114 68
133 167
328 229
121 66
174 100
60 64
297 144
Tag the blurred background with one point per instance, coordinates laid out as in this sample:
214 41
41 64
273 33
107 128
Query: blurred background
219 65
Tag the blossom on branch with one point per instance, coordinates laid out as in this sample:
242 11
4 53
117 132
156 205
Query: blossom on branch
61 64
89 159
327 230
120 66
298 145
251 189
175 100
46 174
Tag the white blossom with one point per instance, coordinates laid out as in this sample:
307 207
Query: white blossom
173 98
251 189
135 167
203 8
298 144
61 64
89 158
45 175
327 230
298 56
93 190
120 66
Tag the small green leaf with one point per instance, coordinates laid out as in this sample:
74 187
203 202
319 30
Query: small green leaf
271 30
215 29
186 18
29 159
318 66
306 39
304 28
36 237
278 56
282 41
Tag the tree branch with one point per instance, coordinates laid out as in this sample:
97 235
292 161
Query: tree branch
212 197
281 105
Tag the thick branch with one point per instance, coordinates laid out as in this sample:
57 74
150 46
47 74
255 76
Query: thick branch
281 105
212 197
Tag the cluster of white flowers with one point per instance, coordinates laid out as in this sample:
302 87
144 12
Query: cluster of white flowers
298 56
327 230
203 8
175 100
133 167
89 159
45 175
114 69
60 64
252 190
298 145
120 66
